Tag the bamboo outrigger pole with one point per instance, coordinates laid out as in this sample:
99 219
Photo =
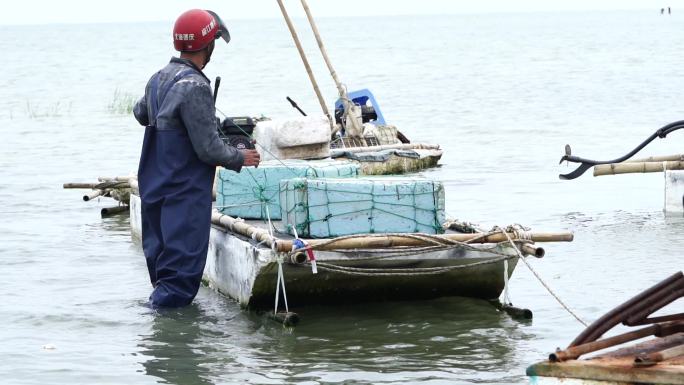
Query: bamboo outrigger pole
348 107
637 167
661 158
306 64
376 241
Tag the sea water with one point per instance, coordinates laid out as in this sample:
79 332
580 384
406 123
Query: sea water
501 93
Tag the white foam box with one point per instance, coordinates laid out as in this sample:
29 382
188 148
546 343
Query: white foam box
674 191
323 208
247 194
305 137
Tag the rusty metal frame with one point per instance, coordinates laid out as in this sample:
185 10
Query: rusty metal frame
634 312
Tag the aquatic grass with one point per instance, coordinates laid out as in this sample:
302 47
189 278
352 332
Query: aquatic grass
51 111
122 103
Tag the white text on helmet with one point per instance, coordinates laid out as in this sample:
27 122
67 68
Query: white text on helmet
185 36
208 28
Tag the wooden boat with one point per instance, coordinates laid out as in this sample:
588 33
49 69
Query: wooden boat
658 360
245 258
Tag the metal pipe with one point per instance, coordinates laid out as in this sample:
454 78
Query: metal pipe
665 318
577 350
651 308
617 315
293 32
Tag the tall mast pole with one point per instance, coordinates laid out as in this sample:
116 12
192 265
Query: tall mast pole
306 64
348 107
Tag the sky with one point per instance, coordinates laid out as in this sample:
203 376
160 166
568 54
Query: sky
80 11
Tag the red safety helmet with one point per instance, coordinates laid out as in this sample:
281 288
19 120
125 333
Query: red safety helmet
196 28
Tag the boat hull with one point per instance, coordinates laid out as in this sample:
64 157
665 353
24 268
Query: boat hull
240 268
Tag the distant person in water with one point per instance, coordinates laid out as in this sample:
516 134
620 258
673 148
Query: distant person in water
662 11
669 10
180 152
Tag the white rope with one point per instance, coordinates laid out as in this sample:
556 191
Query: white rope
507 298
281 275
277 295
281 279
522 258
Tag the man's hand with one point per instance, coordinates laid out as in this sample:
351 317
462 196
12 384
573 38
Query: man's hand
252 157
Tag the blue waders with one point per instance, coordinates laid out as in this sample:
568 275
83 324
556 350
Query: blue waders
175 189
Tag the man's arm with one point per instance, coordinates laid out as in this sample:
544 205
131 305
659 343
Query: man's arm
198 114
140 112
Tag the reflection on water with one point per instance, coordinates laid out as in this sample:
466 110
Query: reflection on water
116 224
454 338
174 347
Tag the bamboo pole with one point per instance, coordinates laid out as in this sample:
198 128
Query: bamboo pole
321 47
343 93
636 167
80 185
657 158
309 72
535 251
245 229
92 195
388 241
117 178
377 241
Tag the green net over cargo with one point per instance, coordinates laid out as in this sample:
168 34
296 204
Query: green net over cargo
322 208
247 194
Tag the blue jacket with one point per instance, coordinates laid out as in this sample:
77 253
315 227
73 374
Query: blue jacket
189 106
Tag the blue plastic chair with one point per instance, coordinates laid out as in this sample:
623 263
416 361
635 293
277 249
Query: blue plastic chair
360 98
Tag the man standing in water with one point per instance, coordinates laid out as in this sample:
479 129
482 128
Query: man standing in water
180 152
